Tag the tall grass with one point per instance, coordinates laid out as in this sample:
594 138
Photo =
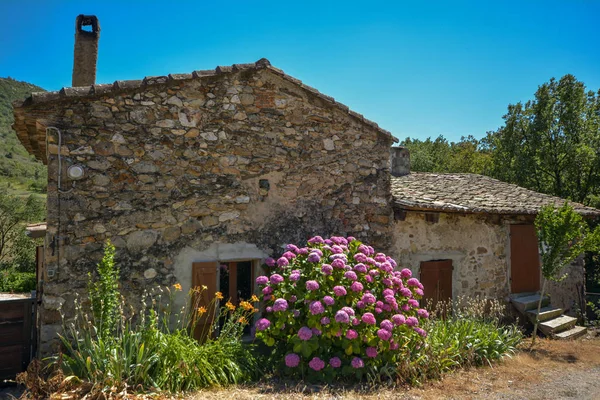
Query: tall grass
112 346
464 332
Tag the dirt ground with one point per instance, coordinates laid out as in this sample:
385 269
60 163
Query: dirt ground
553 370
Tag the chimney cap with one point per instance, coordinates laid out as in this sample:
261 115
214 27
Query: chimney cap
87 20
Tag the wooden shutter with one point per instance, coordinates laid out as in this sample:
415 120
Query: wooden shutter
204 274
524 259
436 277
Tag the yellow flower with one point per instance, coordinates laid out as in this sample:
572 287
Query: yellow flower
177 286
230 306
204 287
255 310
201 310
219 295
254 298
246 306
242 320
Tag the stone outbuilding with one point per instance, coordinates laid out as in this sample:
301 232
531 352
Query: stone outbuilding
472 235
196 178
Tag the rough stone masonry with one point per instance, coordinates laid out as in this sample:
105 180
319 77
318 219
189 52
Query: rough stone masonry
242 156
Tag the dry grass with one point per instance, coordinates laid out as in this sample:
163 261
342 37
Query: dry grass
517 373
523 376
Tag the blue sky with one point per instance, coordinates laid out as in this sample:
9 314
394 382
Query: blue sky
418 68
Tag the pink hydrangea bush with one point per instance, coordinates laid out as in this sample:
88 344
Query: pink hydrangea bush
337 308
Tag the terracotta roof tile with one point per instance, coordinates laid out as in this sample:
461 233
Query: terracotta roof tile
471 193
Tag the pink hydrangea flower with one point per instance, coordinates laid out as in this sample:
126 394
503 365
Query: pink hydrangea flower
316 308
270 262
342 317
420 331
371 352
360 257
350 275
292 360
357 362
316 240
283 262
294 277
348 310
312 285
269 309
412 321
368 318
262 324
406 273
405 292
384 334
316 332
423 313
314 258
387 325
335 362
289 255
356 287
280 305
325 321
262 280
360 304
276 279
316 364
361 268
368 298
351 334
291 247
413 282
267 290
380 257
369 278
293 298
398 319
328 300
338 263
413 303
326 269
339 290
419 292
355 321
305 333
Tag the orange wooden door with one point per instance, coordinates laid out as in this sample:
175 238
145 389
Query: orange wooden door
204 274
436 277
524 259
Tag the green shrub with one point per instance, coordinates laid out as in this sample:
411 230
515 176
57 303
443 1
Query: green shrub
154 349
13 281
336 309
470 335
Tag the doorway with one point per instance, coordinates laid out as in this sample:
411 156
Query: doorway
436 277
524 259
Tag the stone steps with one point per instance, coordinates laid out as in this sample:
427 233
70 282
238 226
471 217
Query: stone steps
546 313
556 325
529 302
571 334
553 323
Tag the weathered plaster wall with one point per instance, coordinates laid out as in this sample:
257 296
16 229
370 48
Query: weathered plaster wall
178 170
476 245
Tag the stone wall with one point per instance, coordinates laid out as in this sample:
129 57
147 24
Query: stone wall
479 247
475 244
243 162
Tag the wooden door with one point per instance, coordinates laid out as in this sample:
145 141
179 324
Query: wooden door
204 274
436 277
524 259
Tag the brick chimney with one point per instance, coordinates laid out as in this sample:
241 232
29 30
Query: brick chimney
400 160
86 50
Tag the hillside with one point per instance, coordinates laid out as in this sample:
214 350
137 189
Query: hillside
20 173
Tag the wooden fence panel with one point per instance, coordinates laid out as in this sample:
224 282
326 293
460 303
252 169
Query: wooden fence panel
17 322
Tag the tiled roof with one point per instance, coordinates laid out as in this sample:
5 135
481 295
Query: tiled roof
122 86
470 193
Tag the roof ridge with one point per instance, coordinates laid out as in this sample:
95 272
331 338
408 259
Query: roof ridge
124 85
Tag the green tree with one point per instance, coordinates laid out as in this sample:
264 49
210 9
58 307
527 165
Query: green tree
15 212
551 144
563 236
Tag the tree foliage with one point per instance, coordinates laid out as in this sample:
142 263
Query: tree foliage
469 155
563 236
104 294
551 144
15 212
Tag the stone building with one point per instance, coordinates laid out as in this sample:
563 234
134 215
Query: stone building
188 172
